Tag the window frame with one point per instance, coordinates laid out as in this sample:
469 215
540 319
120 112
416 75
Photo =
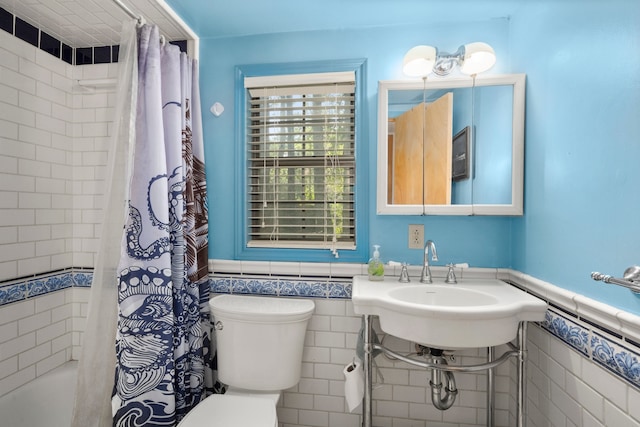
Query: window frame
241 248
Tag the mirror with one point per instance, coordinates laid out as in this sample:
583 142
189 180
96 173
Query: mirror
451 146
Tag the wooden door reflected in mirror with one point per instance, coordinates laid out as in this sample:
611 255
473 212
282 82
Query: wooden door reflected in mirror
420 153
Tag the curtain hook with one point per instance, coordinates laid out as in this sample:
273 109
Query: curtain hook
163 40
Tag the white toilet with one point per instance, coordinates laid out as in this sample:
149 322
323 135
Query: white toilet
259 343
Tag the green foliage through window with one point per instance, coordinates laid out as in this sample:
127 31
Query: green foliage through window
301 166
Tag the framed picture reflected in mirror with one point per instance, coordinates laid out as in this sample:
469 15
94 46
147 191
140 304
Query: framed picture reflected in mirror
460 153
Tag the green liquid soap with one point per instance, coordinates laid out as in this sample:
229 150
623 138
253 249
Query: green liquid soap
376 267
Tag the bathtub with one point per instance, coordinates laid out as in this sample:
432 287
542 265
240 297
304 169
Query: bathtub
45 401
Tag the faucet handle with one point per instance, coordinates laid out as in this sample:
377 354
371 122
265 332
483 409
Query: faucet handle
404 274
451 275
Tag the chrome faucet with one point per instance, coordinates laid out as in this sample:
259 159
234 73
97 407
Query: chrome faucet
425 277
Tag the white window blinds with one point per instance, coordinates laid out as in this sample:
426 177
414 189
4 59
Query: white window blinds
301 161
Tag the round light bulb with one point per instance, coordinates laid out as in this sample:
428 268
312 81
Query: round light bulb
419 61
478 57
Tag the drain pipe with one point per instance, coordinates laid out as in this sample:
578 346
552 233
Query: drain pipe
440 401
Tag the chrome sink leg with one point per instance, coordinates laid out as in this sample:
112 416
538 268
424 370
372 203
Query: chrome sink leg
368 367
491 392
521 414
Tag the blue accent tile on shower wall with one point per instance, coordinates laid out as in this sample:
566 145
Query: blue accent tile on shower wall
49 284
26 32
23 289
6 21
82 279
37 287
50 44
84 55
67 54
102 55
182 44
13 293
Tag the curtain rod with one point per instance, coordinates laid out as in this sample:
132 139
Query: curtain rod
128 11
194 43
139 18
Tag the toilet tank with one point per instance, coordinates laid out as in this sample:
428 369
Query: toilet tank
260 340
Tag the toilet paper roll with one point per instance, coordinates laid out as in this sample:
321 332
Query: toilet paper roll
353 385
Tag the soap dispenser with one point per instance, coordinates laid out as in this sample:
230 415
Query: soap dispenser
376 267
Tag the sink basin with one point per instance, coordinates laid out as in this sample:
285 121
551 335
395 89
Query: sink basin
441 296
472 313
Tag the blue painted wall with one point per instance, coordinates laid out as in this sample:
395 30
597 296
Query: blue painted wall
582 195
383 49
582 186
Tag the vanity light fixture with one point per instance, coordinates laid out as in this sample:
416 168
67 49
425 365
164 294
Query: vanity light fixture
472 58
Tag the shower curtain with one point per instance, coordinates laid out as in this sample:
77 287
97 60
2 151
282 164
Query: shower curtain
163 294
162 336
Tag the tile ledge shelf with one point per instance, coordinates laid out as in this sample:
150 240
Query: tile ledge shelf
613 319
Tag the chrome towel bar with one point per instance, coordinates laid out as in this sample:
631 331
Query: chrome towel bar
630 280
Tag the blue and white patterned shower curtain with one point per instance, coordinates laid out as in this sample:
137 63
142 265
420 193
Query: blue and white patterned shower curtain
162 341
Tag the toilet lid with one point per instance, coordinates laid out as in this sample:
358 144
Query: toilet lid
220 410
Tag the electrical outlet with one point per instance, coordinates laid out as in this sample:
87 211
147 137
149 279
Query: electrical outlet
416 236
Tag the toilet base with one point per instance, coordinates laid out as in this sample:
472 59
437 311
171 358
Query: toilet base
224 410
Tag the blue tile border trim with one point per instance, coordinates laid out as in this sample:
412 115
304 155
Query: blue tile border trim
281 286
616 354
568 331
619 356
22 289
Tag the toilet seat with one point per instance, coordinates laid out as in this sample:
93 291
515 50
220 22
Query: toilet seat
221 410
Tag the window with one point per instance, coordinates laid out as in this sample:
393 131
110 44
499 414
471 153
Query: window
301 161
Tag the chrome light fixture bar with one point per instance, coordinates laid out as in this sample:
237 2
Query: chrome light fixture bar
471 58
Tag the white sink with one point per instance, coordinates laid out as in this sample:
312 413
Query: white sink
441 296
472 313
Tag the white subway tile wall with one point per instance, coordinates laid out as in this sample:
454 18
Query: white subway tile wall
567 389
53 151
401 393
40 334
